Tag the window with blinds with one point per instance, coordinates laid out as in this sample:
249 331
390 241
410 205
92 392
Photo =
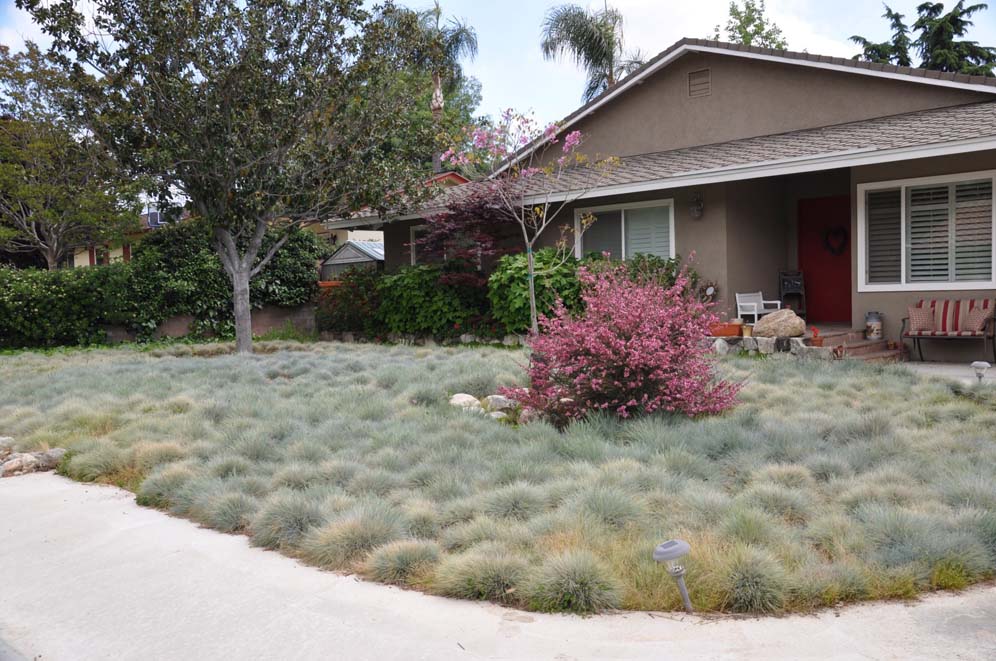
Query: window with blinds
884 216
945 234
629 231
928 234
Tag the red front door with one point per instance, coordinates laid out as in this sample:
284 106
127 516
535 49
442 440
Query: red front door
825 258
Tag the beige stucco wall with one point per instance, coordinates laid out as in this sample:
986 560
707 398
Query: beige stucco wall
749 98
894 304
756 236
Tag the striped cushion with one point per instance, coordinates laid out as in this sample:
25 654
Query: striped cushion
937 333
951 314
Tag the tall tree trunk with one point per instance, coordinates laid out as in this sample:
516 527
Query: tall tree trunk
243 313
51 259
531 274
436 105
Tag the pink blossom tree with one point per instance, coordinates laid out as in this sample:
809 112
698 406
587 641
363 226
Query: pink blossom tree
534 174
637 348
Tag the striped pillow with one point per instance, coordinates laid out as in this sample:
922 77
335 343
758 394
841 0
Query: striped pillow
977 318
921 319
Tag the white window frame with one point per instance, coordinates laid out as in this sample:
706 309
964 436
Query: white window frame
580 213
904 185
411 241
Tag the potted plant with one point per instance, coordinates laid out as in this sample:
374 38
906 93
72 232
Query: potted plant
727 328
815 340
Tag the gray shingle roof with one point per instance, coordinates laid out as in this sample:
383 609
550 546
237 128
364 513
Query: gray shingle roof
926 127
882 134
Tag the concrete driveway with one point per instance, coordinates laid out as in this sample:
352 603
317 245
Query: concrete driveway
87 574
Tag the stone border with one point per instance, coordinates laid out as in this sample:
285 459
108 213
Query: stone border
424 341
766 346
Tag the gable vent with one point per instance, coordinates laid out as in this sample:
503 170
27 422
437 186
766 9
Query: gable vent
700 83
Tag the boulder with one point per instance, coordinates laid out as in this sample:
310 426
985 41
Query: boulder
720 347
49 460
18 463
511 341
529 415
465 401
498 403
499 415
783 323
6 447
468 338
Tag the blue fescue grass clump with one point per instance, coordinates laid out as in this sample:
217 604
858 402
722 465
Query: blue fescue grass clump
827 484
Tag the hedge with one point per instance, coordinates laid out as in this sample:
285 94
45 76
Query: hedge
174 271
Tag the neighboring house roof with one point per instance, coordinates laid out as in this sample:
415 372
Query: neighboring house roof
956 129
352 251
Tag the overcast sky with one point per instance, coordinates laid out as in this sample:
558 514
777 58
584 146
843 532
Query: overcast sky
514 74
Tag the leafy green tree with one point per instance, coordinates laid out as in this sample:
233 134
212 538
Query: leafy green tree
938 42
895 51
262 116
750 26
58 190
594 39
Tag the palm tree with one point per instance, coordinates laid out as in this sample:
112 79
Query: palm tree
442 45
595 41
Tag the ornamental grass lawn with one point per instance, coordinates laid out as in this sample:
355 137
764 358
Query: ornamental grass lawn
827 483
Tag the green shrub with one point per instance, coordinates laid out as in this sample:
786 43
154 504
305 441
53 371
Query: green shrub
428 300
508 287
402 562
755 582
351 306
284 519
348 539
574 581
489 575
174 271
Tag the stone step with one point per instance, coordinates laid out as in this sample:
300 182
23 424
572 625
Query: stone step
864 347
888 356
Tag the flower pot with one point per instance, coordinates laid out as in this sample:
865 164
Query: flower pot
725 330
748 330
816 341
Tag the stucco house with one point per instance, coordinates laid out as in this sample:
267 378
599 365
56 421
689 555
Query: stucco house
875 181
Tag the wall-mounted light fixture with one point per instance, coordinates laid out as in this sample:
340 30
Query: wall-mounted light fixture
696 206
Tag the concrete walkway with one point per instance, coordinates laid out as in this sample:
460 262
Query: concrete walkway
954 371
87 574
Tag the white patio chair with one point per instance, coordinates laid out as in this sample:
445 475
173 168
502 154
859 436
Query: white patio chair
754 304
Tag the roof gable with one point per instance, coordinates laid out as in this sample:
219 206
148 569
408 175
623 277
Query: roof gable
887 71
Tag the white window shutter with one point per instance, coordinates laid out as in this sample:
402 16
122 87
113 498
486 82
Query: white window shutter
973 218
884 227
648 231
928 234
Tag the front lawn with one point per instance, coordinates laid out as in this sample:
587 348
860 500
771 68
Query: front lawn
828 483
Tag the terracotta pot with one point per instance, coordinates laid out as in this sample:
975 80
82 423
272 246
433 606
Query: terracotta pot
725 330
816 341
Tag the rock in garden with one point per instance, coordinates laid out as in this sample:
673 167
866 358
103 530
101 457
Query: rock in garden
18 463
6 447
465 401
498 403
720 347
511 341
498 415
765 345
528 415
783 323
467 338
49 460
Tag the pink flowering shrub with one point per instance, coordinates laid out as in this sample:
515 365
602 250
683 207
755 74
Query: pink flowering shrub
637 348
